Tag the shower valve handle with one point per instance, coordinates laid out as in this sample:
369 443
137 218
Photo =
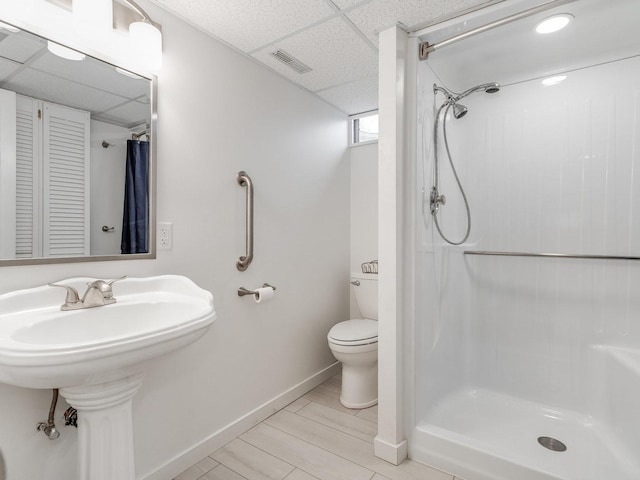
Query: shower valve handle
435 200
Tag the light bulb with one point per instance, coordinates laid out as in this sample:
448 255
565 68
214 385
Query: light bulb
147 43
65 52
547 82
554 23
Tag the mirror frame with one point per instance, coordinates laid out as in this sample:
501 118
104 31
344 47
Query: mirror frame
152 177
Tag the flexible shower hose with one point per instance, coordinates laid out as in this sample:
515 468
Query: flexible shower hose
447 105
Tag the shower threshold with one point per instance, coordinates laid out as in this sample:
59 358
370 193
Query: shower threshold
481 434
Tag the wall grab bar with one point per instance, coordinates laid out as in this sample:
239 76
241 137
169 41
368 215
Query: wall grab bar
245 181
550 255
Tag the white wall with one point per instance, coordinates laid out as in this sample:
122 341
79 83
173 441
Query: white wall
107 186
394 95
364 209
441 290
546 169
220 112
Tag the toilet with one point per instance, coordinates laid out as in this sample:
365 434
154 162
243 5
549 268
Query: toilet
355 344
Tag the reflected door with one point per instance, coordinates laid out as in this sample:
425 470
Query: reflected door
52 178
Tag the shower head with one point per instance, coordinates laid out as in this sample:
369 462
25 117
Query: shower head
485 87
453 97
459 110
492 88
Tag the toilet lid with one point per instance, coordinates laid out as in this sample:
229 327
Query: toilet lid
354 332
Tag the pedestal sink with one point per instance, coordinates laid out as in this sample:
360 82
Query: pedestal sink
93 355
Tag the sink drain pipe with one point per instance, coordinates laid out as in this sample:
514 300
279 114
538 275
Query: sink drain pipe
49 427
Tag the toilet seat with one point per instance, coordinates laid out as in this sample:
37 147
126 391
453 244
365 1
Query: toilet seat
354 332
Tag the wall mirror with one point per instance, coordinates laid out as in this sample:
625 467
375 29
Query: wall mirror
77 142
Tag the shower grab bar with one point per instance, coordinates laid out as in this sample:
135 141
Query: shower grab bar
245 181
551 255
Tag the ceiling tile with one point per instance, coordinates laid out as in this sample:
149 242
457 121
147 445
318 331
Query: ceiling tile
355 97
20 46
34 83
128 115
374 17
250 24
338 47
7 67
343 4
332 49
93 72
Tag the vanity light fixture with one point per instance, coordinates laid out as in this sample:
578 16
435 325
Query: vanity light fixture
64 52
547 82
146 38
554 23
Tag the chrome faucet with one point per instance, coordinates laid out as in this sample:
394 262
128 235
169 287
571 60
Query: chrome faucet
99 292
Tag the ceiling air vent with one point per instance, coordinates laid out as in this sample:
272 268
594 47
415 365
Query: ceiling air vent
290 61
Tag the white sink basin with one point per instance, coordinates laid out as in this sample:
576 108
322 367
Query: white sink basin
43 347
94 355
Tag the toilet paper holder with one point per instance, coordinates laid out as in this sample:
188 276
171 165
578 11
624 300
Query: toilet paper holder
243 291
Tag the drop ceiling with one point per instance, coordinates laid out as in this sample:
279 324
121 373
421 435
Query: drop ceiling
28 68
337 39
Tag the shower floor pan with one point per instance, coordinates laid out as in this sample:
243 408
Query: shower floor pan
484 435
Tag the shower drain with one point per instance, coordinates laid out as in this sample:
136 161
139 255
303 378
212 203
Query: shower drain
552 444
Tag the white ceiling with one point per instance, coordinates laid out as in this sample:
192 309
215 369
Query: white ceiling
338 39
601 31
28 68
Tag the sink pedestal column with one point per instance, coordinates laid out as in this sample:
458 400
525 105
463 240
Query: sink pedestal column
105 428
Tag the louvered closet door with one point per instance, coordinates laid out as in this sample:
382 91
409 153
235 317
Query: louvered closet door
66 182
28 173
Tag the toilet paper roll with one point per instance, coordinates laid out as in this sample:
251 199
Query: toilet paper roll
263 294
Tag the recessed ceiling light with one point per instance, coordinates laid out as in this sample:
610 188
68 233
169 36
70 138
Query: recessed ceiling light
554 23
547 82
64 52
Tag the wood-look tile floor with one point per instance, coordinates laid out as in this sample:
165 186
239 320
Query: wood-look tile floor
314 437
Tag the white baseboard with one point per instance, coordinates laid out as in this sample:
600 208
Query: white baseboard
392 453
216 440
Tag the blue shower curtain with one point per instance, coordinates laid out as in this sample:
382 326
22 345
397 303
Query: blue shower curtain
135 222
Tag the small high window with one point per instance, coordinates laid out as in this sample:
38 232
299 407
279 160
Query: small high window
364 128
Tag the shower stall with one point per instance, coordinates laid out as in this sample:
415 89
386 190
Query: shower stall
525 336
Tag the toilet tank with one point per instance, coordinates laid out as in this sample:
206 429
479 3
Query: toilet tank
366 293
